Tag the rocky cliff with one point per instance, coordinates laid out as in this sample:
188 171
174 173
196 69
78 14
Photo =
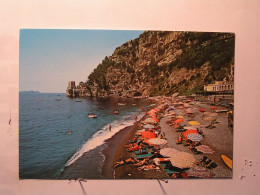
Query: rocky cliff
163 63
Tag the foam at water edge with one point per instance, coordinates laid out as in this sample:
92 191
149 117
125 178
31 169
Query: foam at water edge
102 135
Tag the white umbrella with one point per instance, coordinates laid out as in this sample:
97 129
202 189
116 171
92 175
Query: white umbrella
157 141
167 152
182 160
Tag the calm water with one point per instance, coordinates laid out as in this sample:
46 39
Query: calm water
46 147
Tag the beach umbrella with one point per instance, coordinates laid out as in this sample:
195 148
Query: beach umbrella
199 171
182 160
179 120
195 137
209 118
156 120
202 110
190 127
148 134
172 113
205 149
149 120
148 126
213 114
179 117
167 152
186 105
157 141
189 131
153 115
194 123
213 107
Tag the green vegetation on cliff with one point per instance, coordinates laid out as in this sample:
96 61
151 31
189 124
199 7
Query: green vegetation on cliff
163 63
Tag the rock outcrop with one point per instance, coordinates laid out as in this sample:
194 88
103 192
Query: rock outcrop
163 63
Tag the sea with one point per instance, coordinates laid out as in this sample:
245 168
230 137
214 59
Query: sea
55 131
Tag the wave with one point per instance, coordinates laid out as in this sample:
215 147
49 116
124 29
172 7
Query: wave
104 134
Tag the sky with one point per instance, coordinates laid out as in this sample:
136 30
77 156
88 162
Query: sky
50 58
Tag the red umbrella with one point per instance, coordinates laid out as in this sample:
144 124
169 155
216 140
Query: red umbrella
202 110
148 134
179 120
213 107
153 115
156 120
186 133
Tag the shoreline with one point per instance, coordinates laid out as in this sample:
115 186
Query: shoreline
115 149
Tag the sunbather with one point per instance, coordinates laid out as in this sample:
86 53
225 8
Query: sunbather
127 161
147 167
142 162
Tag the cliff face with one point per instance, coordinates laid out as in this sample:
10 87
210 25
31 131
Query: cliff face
163 63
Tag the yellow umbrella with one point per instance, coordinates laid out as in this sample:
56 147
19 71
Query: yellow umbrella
194 123
179 117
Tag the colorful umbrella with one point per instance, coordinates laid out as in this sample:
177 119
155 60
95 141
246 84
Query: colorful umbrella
190 127
213 114
213 107
152 115
194 123
205 149
179 117
199 171
209 118
156 120
148 126
157 141
189 131
195 137
149 120
202 110
167 152
148 134
179 120
182 160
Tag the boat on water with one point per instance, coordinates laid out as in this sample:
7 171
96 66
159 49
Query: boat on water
116 112
58 99
92 115
121 104
78 101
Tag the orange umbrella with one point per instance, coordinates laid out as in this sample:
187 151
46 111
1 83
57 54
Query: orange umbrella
186 133
156 120
213 107
148 134
202 110
179 120
153 115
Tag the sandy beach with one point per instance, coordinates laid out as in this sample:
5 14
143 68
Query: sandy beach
219 138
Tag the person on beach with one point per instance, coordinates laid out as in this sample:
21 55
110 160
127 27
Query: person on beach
127 161
109 128
135 118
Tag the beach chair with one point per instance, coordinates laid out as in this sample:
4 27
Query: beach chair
169 172
140 156
146 150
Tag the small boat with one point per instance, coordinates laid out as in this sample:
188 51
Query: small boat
92 115
134 104
78 101
121 104
116 112
58 99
